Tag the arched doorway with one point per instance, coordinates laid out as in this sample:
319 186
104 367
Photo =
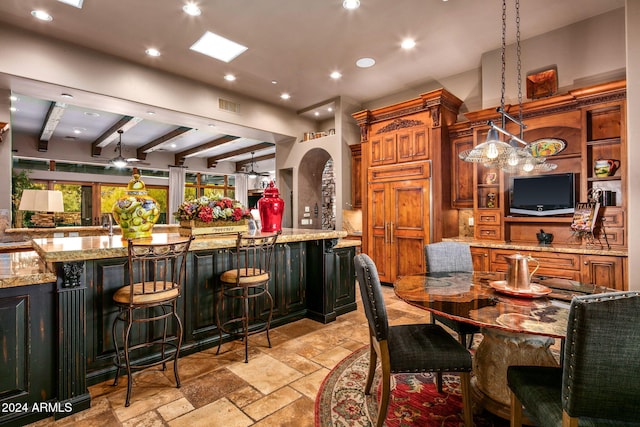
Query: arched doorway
317 191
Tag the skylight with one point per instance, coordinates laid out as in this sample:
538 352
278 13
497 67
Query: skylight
74 3
218 47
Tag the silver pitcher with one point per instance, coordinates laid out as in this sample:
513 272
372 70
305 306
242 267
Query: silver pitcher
518 275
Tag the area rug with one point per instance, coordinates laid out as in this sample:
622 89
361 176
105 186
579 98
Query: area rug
414 399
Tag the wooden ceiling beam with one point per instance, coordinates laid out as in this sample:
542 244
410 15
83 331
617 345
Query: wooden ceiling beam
51 121
182 155
212 161
111 134
242 163
141 153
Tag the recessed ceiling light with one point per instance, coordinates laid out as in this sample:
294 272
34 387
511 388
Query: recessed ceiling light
78 131
173 145
211 125
285 96
151 113
91 114
229 77
317 113
13 109
218 47
191 9
152 52
408 44
274 82
41 15
13 98
365 62
335 75
329 109
351 4
66 95
74 3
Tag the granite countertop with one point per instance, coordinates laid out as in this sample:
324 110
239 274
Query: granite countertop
101 247
23 268
559 248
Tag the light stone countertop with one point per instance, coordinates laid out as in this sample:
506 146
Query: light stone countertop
100 247
23 268
559 248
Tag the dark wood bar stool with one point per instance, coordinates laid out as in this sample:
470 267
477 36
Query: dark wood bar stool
156 274
248 281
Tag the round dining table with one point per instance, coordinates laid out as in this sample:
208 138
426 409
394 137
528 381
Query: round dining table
519 326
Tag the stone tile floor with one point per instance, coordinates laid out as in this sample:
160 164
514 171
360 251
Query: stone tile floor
276 388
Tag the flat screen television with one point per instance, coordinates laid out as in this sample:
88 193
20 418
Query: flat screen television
543 195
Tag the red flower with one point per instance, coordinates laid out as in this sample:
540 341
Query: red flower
237 214
206 214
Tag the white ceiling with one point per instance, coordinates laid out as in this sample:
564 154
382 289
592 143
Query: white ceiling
297 43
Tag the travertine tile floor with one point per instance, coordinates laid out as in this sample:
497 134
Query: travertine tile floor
276 388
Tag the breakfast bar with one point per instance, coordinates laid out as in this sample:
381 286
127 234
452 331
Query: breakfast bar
60 314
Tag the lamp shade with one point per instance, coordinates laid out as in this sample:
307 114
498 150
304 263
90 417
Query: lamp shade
41 201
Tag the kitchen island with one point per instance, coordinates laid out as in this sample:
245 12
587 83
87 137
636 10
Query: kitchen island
61 328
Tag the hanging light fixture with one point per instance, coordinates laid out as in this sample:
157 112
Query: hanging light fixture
119 161
509 156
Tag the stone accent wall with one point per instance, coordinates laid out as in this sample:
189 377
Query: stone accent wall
328 197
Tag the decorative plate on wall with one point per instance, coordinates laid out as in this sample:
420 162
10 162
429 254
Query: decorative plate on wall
546 147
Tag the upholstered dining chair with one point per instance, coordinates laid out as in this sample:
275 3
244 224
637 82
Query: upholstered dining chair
451 257
407 348
156 273
246 282
599 381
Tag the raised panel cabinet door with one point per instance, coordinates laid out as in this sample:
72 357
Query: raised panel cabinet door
461 176
603 271
420 144
377 154
389 148
480 258
409 225
356 176
405 146
377 234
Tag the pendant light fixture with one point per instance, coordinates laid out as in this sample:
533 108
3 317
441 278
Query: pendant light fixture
509 156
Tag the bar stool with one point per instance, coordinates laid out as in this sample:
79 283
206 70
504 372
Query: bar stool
246 282
156 273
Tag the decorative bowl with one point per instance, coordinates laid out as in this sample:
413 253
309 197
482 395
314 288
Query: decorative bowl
544 238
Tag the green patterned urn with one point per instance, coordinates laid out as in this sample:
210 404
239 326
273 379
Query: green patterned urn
136 213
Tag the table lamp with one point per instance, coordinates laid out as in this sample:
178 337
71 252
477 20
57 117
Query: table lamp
47 201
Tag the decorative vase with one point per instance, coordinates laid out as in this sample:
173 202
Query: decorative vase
271 208
201 228
136 213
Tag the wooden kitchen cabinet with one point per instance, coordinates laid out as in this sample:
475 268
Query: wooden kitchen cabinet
461 172
406 159
480 258
603 270
399 220
356 176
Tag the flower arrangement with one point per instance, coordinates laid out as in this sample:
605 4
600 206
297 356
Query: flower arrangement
208 210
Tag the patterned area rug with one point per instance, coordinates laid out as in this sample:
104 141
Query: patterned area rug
414 399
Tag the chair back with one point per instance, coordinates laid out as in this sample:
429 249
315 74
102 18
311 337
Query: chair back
601 371
372 298
253 256
156 268
448 257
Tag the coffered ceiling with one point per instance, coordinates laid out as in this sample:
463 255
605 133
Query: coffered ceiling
293 46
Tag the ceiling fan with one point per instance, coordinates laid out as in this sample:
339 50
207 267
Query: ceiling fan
251 172
119 161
